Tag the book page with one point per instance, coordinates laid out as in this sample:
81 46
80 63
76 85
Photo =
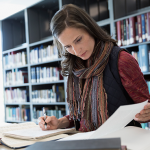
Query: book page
122 116
17 143
35 133
19 126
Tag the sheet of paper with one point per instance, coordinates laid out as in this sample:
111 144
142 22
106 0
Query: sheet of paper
122 116
78 136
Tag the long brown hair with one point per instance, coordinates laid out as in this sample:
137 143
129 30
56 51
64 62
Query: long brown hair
72 16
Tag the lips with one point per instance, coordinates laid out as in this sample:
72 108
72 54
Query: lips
83 54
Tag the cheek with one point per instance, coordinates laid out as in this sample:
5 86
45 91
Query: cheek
71 52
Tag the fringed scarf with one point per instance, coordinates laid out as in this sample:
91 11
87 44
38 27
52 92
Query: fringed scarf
86 95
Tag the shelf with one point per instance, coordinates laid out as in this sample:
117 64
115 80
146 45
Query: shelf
16 67
42 41
17 121
57 103
46 62
14 121
15 103
135 13
19 85
104 22
22 46
134 45
53 82
146 73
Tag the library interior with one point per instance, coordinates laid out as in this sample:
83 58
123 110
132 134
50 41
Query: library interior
103 101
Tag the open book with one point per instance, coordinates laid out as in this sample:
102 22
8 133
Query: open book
24 134
133 137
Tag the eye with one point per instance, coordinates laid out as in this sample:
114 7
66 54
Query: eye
79 39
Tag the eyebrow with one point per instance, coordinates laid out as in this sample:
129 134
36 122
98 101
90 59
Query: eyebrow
73 41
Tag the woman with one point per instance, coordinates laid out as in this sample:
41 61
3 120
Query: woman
101 76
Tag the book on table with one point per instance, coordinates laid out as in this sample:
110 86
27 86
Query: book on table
24 134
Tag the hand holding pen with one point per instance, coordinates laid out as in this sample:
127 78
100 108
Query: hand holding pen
48 122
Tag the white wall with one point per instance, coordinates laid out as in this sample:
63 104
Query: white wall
1 84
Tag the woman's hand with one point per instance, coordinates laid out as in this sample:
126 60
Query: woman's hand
52 123
144 114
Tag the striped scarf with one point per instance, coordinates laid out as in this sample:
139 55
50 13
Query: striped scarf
86 95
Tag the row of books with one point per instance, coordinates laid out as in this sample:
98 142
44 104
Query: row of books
45 74
133 30
16 76
143 57
17 95
43 54
57 112
56 94
13 59
13 114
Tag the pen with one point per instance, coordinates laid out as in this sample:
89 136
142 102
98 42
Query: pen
44 113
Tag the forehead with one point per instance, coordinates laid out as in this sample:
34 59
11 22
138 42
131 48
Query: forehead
69 35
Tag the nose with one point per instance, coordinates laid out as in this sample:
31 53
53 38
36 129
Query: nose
76 49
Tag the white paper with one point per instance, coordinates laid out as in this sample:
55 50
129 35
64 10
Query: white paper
122 116
78 136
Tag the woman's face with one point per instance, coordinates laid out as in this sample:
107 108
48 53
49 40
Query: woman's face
77 42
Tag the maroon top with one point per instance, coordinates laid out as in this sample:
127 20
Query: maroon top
132 80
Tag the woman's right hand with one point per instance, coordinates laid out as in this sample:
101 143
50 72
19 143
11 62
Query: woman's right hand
52 123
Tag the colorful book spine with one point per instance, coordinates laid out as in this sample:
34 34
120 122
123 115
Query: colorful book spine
148 25
143 28
143 56
127 31
139 21
132 30
118 24
124 32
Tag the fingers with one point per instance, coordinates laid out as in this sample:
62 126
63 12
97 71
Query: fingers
49 119
41 120
144 114
42 126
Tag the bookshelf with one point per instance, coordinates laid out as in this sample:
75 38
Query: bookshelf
26 33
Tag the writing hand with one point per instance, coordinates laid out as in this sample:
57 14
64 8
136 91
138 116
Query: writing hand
52 122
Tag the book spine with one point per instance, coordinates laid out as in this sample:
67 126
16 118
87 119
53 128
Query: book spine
124 31
132 30
139 28
143 54
148 25
136 32
143 28
119 33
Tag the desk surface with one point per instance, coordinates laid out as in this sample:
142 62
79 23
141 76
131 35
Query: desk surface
2 147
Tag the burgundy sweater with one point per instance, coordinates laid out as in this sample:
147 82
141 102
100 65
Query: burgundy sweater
132 80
